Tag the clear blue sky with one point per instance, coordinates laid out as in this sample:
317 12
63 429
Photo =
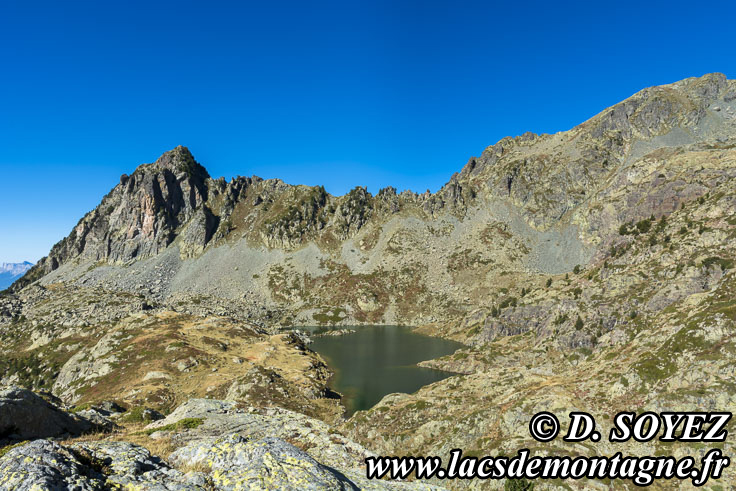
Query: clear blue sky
337 93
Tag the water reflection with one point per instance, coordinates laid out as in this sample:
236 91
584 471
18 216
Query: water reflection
378 360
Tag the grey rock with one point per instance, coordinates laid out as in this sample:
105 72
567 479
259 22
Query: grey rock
196 408
24 416
227 422
132 466
110 407
151 415
97 418
43 464
266 464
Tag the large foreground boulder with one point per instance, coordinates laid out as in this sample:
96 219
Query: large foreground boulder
24 415
47 465
267 464
43 464
222 446
219 418
229 463
266 448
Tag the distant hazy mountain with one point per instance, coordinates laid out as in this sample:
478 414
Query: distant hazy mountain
9 272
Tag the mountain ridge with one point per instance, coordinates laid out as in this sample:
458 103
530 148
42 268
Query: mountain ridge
173 203
647 113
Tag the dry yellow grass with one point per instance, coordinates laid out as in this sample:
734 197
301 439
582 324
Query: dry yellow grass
131 433
170 358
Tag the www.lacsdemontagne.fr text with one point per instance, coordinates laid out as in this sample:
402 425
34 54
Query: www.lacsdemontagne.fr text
642 471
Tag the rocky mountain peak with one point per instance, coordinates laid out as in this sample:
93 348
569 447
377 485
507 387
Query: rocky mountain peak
574 162
139 217
181 162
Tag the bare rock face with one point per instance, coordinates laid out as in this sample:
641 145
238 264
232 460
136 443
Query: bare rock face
198 232
549 175
25 415
140 216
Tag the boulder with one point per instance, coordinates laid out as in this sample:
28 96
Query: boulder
266 464
97 418
244 443
25 415
232 462
109 407
43 464
151 415
130 466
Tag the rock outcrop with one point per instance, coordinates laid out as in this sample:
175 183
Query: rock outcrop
265 251
44 464
270 463
210 454
25 415
139 217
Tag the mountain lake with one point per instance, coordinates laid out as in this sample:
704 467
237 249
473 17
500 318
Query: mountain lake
377 360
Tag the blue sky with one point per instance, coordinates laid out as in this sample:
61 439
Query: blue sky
337 93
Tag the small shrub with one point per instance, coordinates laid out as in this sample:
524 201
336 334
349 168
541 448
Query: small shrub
643 226
508 302
724 264
518 485
135 415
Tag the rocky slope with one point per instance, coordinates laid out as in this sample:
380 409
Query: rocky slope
205 444
587 270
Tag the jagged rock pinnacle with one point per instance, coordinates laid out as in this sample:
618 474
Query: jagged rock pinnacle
179 160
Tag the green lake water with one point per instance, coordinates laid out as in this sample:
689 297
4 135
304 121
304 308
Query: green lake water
378 360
